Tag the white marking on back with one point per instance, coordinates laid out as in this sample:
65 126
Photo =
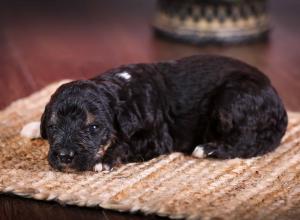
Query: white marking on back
124 75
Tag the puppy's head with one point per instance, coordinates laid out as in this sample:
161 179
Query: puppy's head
78 125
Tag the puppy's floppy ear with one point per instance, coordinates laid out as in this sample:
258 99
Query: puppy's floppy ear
128 119
44 119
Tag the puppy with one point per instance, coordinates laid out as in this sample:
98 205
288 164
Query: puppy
223 107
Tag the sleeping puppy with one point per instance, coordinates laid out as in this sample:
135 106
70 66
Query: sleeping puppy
213 106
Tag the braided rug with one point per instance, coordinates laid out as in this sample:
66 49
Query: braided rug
175 185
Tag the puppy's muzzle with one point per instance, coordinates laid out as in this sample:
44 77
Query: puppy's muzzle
65 156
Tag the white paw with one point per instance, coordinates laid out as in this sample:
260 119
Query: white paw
199 152
99 167
31 130
106 167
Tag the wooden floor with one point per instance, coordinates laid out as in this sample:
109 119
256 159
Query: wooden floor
43 43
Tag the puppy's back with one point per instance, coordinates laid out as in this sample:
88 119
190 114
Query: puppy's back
194 78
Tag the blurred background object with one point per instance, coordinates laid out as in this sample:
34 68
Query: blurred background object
46 41
217 21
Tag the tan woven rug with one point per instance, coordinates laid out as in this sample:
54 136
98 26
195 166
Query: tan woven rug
265 187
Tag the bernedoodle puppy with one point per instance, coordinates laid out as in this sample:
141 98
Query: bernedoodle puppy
210 106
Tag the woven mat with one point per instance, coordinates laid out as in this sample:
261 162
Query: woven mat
177 186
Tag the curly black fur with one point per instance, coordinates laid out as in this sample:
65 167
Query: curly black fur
227 106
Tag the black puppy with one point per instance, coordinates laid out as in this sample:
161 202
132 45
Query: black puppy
222 107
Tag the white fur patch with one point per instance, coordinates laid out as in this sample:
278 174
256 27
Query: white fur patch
198 152
106 167
31 130
210 153
98 167
124 75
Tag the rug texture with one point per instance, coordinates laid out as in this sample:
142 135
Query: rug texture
175 185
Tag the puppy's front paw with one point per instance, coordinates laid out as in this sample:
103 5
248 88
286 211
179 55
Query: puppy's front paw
99 167
31 130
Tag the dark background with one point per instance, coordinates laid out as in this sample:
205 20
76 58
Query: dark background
45 41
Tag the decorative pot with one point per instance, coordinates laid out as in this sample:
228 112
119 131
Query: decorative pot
221 21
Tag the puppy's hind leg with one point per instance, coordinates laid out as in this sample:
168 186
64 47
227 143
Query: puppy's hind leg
214 150
202 151
246 121
199 152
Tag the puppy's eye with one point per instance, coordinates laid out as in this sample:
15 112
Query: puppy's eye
93 128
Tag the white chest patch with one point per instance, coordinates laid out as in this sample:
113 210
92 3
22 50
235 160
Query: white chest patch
124 75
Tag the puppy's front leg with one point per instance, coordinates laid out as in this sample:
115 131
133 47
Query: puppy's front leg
116 155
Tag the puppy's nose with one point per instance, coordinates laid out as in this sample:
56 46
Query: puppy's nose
66 156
